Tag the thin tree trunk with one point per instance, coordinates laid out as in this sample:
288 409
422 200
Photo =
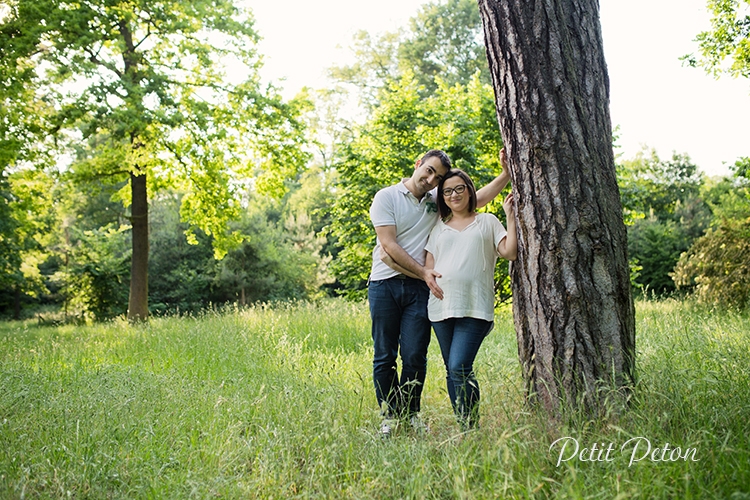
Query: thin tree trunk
17 303
572 304
138 301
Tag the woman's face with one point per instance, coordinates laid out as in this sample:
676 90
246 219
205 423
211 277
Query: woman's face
457 202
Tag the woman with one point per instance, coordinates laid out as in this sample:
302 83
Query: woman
463 247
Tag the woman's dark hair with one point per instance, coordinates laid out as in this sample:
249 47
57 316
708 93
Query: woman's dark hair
443 209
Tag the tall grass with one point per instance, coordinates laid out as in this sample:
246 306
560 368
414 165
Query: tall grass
277 402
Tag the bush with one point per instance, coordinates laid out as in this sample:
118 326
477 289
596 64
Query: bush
99 273
717 266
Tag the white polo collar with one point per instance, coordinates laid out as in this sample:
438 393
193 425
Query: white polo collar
405 190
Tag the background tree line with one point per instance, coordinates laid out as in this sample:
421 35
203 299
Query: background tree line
251 198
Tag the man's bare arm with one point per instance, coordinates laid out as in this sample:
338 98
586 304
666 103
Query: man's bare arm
392 264
387 238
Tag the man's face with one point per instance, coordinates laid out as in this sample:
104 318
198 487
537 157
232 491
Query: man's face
427 174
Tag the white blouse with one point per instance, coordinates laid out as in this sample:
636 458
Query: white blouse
466 259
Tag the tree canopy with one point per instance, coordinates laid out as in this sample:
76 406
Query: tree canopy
442 44
725 48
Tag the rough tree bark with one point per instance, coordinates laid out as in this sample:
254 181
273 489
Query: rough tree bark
572 305
138 300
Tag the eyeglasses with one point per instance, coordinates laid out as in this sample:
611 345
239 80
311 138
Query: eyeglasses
458 190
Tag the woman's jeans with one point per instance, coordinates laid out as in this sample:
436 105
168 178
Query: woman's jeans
459 340
398 308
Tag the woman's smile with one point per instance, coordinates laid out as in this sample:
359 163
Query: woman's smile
455 194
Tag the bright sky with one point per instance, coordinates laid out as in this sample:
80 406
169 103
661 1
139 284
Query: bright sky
656 101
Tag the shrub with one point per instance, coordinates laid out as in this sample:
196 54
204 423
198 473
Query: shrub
717 266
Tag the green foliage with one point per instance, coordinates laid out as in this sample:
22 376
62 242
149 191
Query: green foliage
665 212
277 402
375 65
649 184
717 266
742 167
725 48
79 259
97 279
280 260
444 43
23 109
309 203
326 123
26 218
655 246
459 119
10 256
181 275
24 200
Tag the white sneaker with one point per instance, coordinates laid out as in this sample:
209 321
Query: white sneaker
418 425
387 426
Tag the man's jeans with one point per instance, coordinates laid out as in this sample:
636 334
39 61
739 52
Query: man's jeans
459 340
398 308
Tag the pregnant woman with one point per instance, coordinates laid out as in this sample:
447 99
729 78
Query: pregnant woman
463 247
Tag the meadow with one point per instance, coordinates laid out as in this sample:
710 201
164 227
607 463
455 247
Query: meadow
277 402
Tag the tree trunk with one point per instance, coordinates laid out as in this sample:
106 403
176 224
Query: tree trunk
17 303
138 301
573 310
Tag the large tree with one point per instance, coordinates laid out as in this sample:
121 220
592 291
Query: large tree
162 92
572 302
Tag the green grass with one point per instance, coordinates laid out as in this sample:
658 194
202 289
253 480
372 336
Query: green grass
278 403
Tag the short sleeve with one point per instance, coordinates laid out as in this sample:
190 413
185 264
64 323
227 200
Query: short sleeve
498 231
382 212
432 240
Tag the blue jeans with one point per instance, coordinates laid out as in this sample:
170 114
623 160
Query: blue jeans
398 308
459 340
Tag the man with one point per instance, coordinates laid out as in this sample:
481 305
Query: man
403 216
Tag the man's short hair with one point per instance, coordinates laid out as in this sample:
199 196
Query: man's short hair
440 155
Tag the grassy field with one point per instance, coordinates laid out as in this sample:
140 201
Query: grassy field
277 402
